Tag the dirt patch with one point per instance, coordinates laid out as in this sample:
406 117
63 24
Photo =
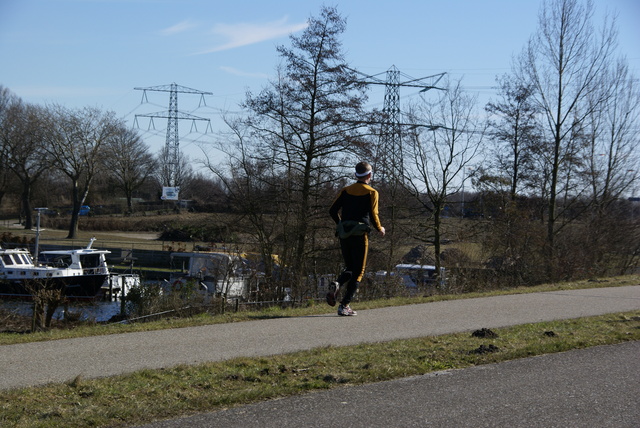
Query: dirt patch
485 333
484 349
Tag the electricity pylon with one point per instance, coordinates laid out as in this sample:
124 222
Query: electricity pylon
389 156
173 115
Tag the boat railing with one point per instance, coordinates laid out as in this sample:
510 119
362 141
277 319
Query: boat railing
95 271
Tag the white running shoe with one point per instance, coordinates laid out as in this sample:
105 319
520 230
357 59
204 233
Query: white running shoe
346 311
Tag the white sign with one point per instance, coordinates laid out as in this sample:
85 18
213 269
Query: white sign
170 193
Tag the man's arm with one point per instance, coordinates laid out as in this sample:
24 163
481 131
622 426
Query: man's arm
375 219
334 211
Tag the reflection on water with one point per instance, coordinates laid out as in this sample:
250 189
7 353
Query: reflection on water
97 311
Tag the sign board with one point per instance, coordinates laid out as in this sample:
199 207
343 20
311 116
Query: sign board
170 193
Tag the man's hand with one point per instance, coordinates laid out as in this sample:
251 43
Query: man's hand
382 231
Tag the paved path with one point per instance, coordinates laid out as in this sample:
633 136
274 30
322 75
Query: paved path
594 387
62 360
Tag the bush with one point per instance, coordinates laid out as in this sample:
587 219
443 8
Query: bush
154 298
516 247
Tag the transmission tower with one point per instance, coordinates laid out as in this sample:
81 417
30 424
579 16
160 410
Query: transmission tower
390 153
173 115
389 158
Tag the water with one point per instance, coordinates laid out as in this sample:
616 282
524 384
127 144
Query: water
98 311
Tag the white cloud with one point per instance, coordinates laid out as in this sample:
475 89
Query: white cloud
243 34
241 73
180 27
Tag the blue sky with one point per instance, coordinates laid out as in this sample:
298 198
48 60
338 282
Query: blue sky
94 52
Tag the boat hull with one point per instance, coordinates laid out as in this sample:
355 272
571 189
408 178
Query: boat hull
75 288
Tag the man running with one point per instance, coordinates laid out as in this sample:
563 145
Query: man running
355 210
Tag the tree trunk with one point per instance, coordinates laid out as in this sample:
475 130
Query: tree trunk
77 203
26 206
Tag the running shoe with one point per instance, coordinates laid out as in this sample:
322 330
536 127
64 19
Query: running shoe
346 311
333 292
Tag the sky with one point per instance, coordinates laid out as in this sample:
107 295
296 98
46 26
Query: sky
93 53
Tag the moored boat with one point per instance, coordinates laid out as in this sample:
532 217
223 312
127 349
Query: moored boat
78 273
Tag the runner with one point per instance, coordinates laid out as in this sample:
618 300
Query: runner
355 211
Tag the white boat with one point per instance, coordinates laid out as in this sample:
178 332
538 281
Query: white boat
79 273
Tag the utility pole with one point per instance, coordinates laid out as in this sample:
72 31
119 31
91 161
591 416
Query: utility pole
173 115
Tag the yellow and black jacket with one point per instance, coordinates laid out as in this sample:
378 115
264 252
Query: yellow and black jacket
357 202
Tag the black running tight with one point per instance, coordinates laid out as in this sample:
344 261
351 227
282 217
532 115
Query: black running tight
354 253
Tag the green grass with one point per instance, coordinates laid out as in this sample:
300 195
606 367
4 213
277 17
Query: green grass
149 395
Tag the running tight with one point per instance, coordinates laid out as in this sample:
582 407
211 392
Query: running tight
354 251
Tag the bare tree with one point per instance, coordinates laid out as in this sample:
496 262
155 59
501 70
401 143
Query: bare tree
439 152
612 171
613 136
565 61
26 152
128 162
305 120
207 193
253 189
513 130
76 142
8 101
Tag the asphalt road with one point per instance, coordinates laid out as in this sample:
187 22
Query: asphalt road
39 363
594 387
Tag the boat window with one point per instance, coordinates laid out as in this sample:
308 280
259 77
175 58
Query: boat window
56 259
90 261
7 259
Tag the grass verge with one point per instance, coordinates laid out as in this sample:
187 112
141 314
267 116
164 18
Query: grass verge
150 395
92 329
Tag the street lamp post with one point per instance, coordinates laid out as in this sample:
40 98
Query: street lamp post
35 253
